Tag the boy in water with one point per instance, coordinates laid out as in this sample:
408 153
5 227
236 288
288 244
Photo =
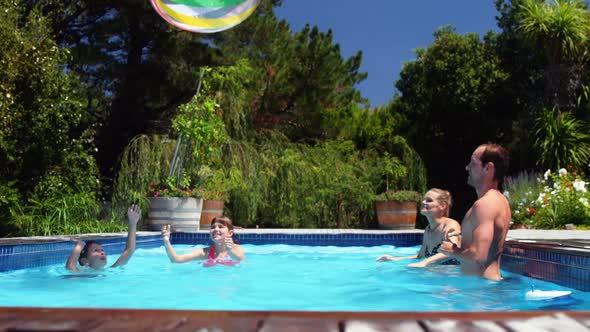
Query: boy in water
92 254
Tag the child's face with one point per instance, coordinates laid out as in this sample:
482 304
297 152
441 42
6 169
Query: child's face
219 232
430 204
96 257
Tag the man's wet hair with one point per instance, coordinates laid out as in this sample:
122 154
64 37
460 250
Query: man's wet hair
498 155
84 252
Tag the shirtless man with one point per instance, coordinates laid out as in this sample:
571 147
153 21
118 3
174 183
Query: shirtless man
486 224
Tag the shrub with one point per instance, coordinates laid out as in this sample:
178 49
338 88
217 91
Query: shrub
400 196
554 200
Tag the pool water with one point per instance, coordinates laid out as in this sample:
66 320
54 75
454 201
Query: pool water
279 277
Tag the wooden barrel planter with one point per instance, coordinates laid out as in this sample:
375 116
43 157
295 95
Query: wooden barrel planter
183 214
211 209
396 215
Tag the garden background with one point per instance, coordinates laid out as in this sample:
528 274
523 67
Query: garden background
93 95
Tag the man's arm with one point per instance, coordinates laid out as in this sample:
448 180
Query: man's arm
483 234
72 262
133 215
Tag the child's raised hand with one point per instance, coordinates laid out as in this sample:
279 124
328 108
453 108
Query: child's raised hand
229 242
77 241
133 214
166 232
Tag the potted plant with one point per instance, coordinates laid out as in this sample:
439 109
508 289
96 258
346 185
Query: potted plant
176 205
215 193
178 199
395 209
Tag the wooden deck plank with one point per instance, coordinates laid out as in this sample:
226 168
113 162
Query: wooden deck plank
190 324
64 319
45 322
557 322
382 325
294 324
444 325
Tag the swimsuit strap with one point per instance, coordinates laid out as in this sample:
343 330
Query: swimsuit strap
211 252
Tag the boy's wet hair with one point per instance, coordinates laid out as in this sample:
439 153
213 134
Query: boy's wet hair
227 223
84 252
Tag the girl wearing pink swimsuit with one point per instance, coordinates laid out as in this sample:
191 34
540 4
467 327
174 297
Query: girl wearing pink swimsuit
223 251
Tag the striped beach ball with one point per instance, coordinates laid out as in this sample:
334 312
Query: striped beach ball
204 16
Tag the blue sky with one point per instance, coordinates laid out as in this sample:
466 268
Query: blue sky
387 31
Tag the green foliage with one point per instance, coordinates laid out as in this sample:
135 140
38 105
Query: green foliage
450 102
400 196
46 142
561 28
171 188
553 201
522 190
302 83
145 161
561 140
378 130
233 88
217 183
202 128
276 183
69 214
559 31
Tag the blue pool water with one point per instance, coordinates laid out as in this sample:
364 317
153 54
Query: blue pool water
279 277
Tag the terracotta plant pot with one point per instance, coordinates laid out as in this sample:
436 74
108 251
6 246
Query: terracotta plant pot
182 214
211 209
396 215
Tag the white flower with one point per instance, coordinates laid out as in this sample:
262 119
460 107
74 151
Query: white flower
562 172
546 175
584 201
556 185
580 185
541 198
506 193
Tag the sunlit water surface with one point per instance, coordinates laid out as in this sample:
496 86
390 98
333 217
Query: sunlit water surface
279 277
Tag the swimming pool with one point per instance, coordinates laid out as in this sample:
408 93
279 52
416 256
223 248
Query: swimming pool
279 277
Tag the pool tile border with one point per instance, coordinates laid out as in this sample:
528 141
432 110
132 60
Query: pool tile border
548 261
29 255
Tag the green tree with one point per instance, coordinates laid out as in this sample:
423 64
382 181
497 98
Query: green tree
45 130
451 101
137 68
561 140
302 79
560 30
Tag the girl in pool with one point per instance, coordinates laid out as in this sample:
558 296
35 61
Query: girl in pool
223 251
435 207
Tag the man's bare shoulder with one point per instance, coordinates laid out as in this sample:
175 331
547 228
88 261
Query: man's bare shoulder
492 203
